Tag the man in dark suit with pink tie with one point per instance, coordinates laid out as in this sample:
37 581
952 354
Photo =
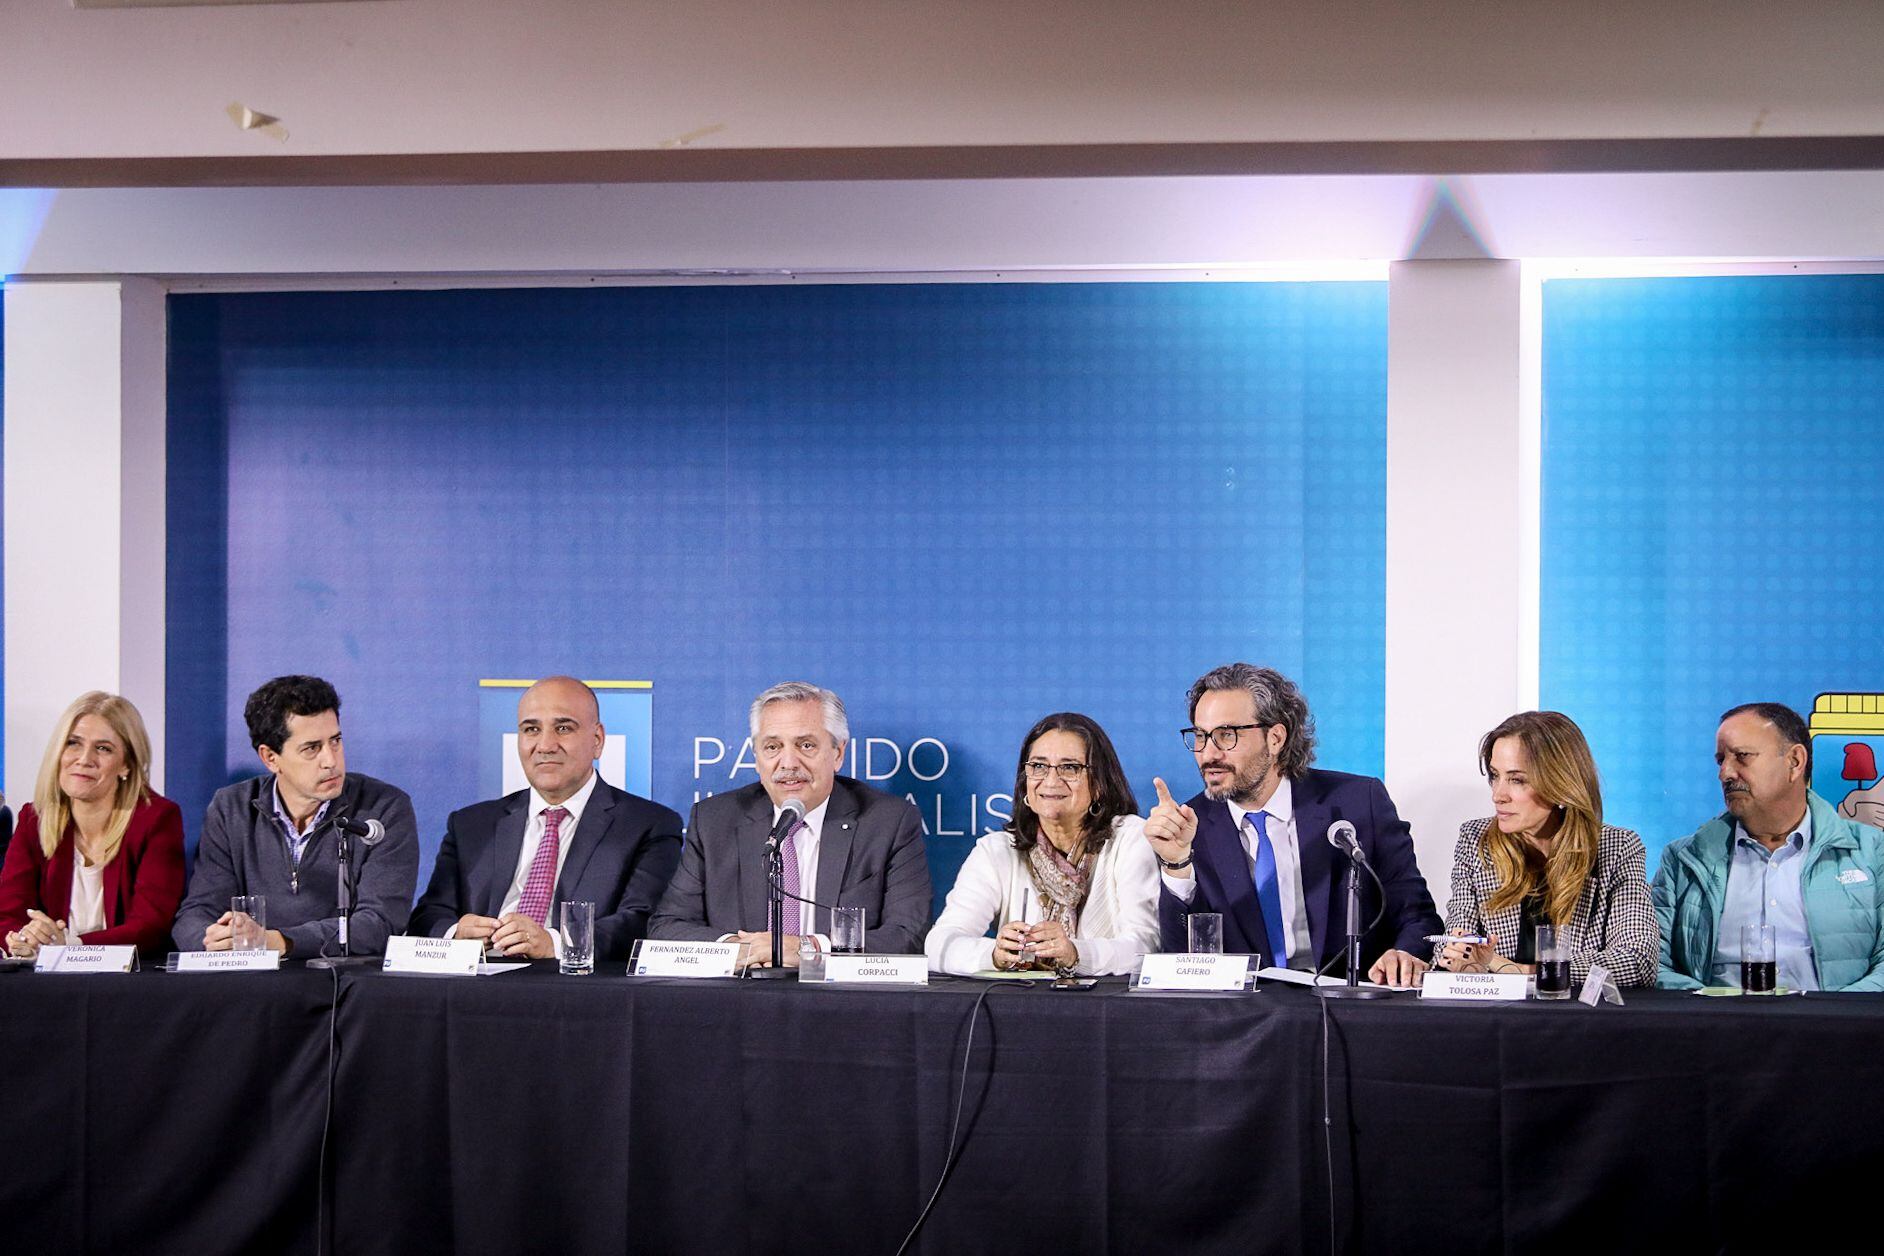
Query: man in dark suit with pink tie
1253 846
571 836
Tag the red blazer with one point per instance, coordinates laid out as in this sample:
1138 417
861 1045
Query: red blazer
143 885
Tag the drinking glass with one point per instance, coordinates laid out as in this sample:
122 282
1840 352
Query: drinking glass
578 938
248 924
1759 960
810 959
1553 963
1206 933
847 930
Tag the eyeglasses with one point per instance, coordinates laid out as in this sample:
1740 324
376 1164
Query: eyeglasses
1037 770
1224 735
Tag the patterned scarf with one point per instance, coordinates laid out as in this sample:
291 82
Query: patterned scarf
1061 883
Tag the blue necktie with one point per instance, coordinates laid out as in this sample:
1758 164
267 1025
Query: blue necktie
1267 892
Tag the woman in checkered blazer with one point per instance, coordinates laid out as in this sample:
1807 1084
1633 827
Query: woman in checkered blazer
1546 857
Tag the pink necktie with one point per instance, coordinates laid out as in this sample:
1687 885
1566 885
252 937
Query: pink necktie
534 902
788 877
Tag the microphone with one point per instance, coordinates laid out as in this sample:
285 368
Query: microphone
370 832
789 814
367 833
1341 836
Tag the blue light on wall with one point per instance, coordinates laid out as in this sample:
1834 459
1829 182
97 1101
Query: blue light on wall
1711 476
962 506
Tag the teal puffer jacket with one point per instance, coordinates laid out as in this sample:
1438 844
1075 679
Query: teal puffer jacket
1839 883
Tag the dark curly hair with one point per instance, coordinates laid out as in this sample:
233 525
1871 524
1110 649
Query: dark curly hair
1277 701
269 707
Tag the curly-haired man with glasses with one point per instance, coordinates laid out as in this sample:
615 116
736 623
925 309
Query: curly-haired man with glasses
1254 847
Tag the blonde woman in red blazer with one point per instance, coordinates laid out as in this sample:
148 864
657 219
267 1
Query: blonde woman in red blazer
96 858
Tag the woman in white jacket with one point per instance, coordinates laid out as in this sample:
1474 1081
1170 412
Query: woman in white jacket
1072 887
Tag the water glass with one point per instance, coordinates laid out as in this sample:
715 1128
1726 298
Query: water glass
1553 963
1759 960
578 938
810 959
248 922
847 930
1206 933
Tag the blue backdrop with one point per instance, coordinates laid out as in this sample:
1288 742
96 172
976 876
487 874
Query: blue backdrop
1711 467
961 506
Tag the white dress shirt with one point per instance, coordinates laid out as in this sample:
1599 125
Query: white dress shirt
533 828
806 844
1283 840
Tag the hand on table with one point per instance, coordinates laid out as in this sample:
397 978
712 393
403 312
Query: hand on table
1471 957
1397 968
517 935
220 936
1019 945
1011 951
474 928
756 948
39 930
1052 948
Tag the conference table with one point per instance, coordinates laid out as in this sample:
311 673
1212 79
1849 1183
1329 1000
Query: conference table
365 1112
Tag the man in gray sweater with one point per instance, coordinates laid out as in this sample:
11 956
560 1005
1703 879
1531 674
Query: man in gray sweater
274 836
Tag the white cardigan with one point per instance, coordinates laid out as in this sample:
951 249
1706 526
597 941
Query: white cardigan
1117 924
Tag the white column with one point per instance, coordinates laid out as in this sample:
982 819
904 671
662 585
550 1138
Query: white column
85 477
1458 517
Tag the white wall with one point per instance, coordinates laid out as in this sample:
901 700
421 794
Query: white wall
84 463
1454 548
206 235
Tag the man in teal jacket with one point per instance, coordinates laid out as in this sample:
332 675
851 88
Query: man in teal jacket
1779 855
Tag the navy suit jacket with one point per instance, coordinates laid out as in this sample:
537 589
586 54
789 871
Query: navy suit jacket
870 855
621 857
1320 798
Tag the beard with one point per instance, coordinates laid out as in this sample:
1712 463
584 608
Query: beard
1243 784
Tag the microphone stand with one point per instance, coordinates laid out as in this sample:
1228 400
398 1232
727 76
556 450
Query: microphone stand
775 912
346 958
1353 989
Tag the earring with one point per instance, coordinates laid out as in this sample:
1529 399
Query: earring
124 776
1095 810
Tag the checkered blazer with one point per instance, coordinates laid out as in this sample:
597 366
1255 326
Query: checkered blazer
1614 923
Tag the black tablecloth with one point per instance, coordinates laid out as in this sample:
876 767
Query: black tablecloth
157 1112
530 1112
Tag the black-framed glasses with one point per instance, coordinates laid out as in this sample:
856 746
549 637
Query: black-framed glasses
1037 770
1224 735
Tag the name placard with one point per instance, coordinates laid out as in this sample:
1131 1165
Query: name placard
227 962
877 970
1475 987
1599 987
683 959
436 957
85 959
1176 971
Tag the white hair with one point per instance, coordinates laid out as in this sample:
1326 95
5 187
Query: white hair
835 721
